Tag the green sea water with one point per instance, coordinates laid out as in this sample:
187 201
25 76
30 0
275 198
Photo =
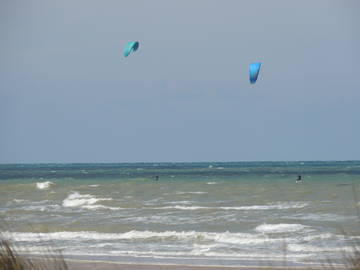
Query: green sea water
205 213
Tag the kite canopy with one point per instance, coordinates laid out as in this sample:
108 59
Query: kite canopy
254 72
131 47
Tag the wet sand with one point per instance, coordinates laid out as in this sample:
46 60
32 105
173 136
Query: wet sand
97 265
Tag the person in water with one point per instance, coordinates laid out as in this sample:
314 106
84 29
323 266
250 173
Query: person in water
299 178
156 178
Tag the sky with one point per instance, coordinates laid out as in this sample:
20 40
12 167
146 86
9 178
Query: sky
67 94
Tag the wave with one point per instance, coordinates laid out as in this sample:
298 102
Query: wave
191 192
191 254
86 201
183 202
280 228
196 253
322 217
276 206
184 244
184 207
99 206
222 237
279 206
312 248
19 201
44 185
194 237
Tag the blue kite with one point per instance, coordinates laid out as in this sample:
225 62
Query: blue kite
131 47
254 72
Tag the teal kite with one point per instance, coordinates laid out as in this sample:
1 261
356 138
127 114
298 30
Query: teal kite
131 47
254 72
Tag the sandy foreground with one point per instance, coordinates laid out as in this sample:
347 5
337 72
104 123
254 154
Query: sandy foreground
97 265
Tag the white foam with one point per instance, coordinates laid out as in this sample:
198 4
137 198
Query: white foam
191 192
223 237
184 207
322 217
44 185
42 208
280 228
19 200
84 201
311 248
276 206
322 236
94 185
187 255
99 206
211 183
193 243
183 202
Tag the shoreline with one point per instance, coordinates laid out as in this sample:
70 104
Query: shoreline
86 264
75 264
153 263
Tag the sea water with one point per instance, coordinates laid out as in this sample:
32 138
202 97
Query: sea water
193 213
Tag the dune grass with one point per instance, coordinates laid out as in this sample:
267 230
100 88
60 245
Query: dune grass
10 259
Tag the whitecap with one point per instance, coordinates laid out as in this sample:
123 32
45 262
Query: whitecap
278 206
312 248
220 237
190 192
280 228
183 207
19 200
84 201
183 202
322 217
275 206
99 206
44 185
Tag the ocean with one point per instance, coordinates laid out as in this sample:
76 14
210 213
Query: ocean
231 213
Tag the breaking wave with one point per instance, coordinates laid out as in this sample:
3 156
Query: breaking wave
280 228
44 185
276 206
86 201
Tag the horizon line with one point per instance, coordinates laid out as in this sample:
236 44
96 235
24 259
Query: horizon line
154 162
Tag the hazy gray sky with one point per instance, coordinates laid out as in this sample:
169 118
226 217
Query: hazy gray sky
67 94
